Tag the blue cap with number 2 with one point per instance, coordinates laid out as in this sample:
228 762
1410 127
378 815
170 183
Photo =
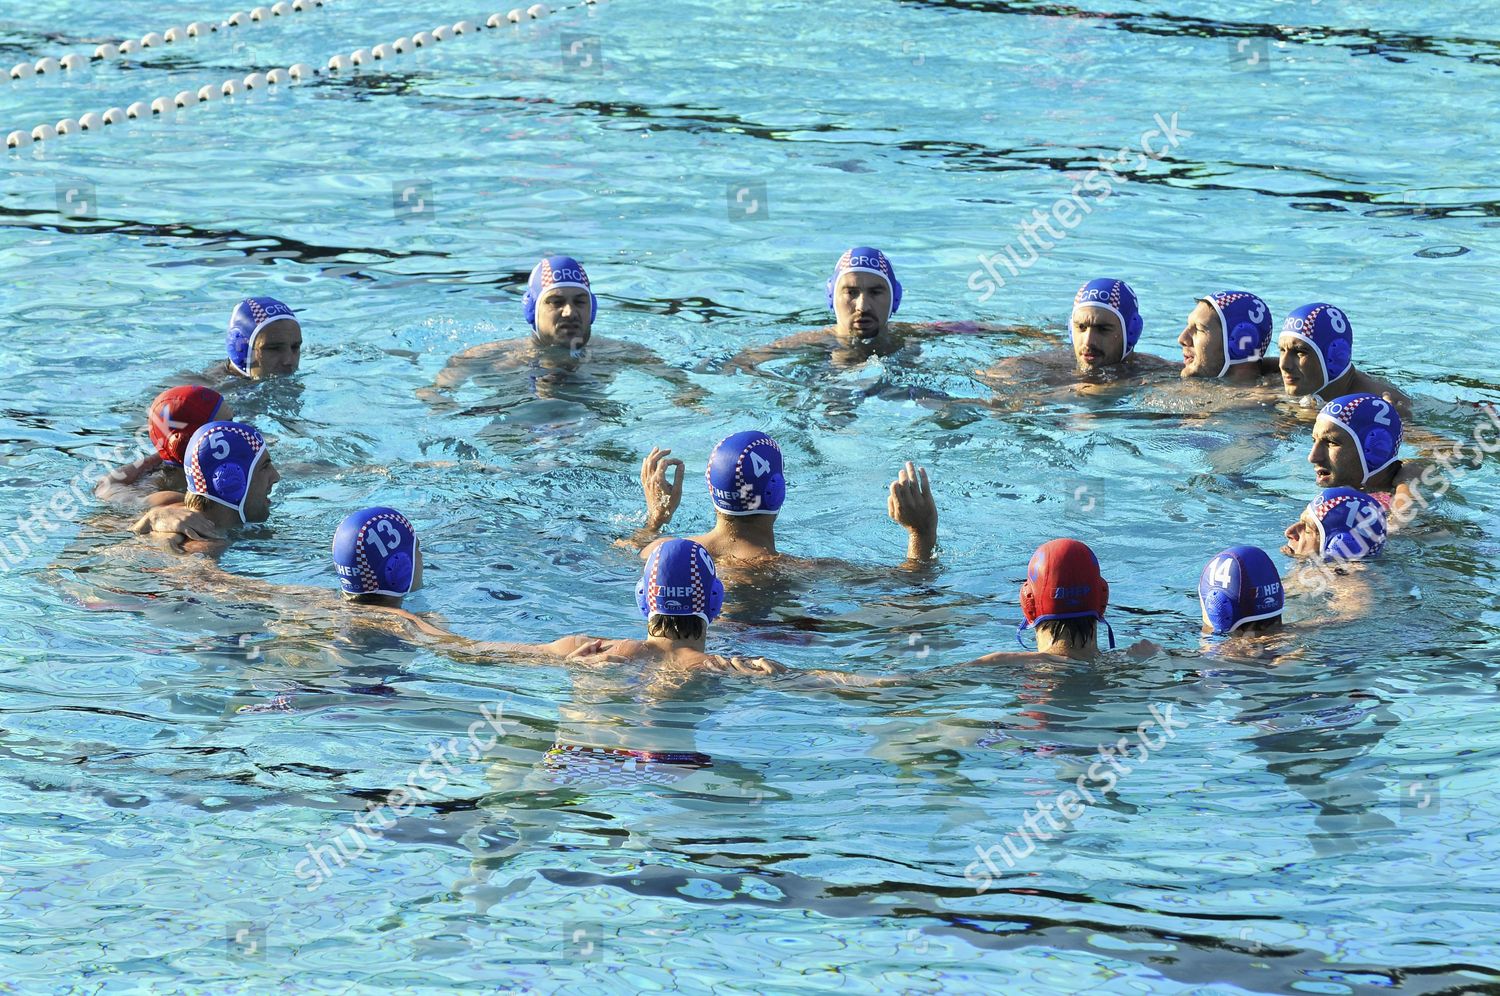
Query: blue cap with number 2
375 553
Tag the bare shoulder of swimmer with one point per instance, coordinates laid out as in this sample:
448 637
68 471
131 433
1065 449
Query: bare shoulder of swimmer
998 658
753 356
486 355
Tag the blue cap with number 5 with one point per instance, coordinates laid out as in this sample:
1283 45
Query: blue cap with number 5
376 553
220 461
1239 586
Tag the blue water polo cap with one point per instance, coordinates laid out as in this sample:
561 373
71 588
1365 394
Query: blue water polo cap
1327 330
1351 524
1246 323
555 271
375 553
864 259
1374 425
1239 586
220 461
680 580
1114 296
745 475
250 317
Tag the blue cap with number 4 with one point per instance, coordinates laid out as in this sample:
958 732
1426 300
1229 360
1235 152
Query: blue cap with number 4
376 553
1239 586
745 476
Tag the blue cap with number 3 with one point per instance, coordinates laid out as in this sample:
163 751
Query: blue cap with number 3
1245 323
376 553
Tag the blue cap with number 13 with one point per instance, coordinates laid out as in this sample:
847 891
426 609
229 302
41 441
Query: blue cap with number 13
376 553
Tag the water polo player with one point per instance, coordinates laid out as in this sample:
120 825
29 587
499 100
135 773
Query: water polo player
747 485
377 556
863 294
1240 591
264 339
560 306
172 419
679 595
1317 359
229 480
1104 328
1226 338
1064 598
1356 443
1341 524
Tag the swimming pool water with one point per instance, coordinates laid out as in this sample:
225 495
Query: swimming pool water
1320 826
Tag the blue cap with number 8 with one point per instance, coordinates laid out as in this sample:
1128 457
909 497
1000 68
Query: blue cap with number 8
376 553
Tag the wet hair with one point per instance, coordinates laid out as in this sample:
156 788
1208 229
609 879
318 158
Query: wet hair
196 502
1262 625
370 598
677 627
1074 632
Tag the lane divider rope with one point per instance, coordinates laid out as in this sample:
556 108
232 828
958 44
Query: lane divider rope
292 74
155 39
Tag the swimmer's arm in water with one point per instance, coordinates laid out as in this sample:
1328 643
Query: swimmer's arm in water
910 505
178 527
469 651
663 493
1008 371
460 368
934 329
115 486
749 360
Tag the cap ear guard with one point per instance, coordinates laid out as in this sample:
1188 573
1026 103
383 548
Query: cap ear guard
774 495
1218 608
1028 603
640 596
1133 332
1379 447
229 480
715 598
398 571
1336 356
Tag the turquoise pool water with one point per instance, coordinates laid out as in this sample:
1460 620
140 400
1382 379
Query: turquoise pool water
1323 826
